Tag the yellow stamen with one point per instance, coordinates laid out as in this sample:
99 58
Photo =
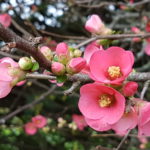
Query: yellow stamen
114 72
105 100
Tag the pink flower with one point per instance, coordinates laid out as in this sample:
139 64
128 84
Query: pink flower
5 20
127 122
39 121
75 65
8 75
135 30
129 88
94 24
30 128
58 68
144 119
111 66
147 48
101 105
89 50
79 121
148 26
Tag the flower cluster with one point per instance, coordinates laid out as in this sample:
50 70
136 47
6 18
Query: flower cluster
38 121
65 60
108 103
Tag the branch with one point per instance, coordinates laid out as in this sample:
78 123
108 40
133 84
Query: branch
113 37
36 101
145 87
9 36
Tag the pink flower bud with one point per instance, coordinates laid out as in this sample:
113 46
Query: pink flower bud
30 128
39 121
76 65
62 49
94 24
130 88
62 52
46 52
58 68
5 20
135 30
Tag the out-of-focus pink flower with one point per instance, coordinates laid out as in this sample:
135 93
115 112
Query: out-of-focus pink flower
127 122
39 121
58 68
94 24
75 65
5 20
30 128
131 1
111 66
89 50
144 119
101 105
79 121
129 88
148 26
46 52
147 48
10 74
135 30
143 141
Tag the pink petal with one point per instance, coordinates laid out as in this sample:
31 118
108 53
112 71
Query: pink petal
147 48
98 125
5 88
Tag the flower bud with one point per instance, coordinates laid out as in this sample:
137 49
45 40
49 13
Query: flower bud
62 52
130 88
94 24
46 52
77 53
76 65
58 68
25 63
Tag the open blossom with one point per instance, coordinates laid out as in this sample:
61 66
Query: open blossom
101 105
39 121
129 88
127 122
94 24
144 119
10 74
30 128
111 66
79 121
5 20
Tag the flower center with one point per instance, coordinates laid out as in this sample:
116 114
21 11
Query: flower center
105 100
114 72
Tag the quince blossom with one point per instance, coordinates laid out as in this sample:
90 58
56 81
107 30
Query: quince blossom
101 106
111 66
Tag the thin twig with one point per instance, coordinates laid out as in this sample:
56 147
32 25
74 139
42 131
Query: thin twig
72 88
113 37
145 87
27 106
123 140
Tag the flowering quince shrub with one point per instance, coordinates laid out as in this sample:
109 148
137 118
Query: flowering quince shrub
107 102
